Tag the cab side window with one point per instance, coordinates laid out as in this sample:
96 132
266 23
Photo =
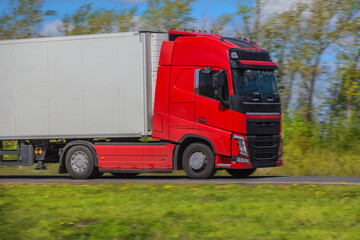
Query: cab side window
206 88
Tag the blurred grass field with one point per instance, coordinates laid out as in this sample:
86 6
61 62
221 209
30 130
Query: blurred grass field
133 211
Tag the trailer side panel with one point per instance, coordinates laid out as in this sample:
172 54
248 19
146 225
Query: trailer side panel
84 86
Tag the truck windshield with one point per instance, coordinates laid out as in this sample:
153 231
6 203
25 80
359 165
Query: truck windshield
247 81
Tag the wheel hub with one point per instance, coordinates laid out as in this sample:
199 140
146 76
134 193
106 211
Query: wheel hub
198 160
79 161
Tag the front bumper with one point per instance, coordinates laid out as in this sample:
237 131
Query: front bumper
231 163
263 151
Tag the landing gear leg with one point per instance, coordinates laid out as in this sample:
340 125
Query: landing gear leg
40 166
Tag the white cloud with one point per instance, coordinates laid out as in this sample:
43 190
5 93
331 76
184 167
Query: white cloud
51 29
279 6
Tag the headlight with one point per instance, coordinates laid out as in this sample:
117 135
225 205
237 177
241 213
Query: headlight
242 145
234 55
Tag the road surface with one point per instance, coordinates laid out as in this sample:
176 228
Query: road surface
159 179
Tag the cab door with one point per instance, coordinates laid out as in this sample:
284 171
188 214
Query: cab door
209 112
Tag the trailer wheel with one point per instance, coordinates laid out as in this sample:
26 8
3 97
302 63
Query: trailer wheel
80 163
124 175
199 161
240 173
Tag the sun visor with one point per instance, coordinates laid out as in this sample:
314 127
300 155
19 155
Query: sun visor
250 58
253 64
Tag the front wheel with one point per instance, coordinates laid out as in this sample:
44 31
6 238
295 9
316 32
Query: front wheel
199 161
240 173
80 163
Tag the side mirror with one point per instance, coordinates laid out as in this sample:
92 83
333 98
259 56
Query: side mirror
219 81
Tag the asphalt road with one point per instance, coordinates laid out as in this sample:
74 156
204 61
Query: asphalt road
159 179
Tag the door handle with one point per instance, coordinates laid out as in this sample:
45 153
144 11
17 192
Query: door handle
201 120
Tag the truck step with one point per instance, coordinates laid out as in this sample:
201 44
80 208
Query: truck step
13 152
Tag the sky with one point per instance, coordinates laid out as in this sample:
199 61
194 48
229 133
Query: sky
203 10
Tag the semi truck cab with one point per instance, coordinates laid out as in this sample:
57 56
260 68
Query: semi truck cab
221 92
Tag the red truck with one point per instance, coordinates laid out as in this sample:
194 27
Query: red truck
207 102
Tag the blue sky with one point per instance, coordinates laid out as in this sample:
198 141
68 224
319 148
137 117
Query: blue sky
203 10
201 7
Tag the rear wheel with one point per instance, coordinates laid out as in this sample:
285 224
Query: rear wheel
199 161
80 163
240 173
124 175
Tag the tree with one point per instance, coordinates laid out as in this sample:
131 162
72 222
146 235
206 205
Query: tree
280 35
251 18
162 15
87 20
298 39
322 26
218 25
319 33
23 19
347 88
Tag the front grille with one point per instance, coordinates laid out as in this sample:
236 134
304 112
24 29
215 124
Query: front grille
263 141
263 108
264 155
262 126
263 144
263 150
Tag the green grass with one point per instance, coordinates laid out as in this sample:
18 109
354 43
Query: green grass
132 211
315 162
52 169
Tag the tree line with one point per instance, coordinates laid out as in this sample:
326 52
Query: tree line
316 45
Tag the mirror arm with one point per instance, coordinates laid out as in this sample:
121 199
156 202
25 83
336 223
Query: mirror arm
225 103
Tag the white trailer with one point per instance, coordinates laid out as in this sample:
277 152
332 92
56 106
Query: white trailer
93 86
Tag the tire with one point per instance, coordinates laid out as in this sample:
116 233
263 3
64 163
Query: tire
80 163
240 173
125 175
198 161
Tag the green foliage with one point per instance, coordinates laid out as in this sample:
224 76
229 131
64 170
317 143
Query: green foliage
298 39
244 10
250 16
87 20
346 85
23 19
133 211
312 148
162 15
218 25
